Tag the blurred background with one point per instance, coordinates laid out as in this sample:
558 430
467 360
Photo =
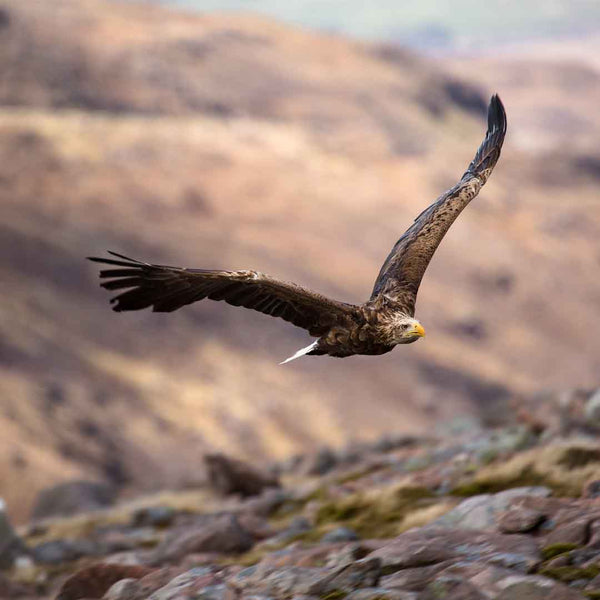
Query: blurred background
299 139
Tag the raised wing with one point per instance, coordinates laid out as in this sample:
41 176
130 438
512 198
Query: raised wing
401 274
166 289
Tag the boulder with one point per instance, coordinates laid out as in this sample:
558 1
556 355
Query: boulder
94 581
222 534
429 546
534 587
56 552
520 519
482 511
232 476
10 544
452 588
72 497
592 409
320 463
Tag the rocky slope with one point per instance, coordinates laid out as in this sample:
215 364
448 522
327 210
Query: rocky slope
235 141
503 514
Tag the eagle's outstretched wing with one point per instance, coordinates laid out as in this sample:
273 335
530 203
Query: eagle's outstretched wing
166 289
401 274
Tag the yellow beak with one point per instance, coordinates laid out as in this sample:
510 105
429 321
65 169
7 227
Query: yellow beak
419 330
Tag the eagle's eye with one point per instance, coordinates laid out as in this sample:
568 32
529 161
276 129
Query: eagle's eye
405 326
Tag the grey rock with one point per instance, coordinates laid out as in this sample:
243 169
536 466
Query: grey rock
451 587
362 573
198 583
212 592
10 544
232 476
297 526
122 590
347 554
378 593
72 497
414 579
593 585
222 534
124 539
243 579
534 587
573 532
583 557
286 582
483 576
266 503
592 489
283 582
320 463
482 511
340 534
592 409
519 519
61 551
428 546
387 443
153 516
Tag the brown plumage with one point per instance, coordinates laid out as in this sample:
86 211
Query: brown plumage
375 327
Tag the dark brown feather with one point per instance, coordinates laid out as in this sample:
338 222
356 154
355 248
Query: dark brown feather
166 289
401 274
343 329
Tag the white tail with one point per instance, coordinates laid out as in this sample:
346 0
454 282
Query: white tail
300 353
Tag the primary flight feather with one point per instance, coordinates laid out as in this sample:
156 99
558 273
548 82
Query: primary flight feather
342 329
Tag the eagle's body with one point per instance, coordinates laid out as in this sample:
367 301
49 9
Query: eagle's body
342 329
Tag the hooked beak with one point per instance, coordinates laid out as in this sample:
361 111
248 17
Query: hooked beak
418 330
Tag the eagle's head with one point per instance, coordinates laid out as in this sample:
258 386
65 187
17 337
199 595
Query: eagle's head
406 330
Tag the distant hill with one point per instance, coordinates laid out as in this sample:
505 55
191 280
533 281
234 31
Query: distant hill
428 24
235 141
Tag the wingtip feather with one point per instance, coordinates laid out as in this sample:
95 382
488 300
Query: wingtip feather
496 115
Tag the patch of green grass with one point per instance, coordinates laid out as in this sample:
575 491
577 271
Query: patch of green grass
292 508
568 573
375 515
556 550
527 476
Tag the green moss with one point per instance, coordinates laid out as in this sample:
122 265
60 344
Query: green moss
375 515
579 456
248 559
488 456
557 549
568 574
334 595
594 594
309 537
527 476
292 508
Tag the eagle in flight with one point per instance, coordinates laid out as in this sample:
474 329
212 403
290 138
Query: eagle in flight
342 329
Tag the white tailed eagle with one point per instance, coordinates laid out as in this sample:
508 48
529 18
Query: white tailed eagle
342 329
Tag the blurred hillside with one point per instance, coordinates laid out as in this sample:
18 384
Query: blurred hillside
238 142
429 24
